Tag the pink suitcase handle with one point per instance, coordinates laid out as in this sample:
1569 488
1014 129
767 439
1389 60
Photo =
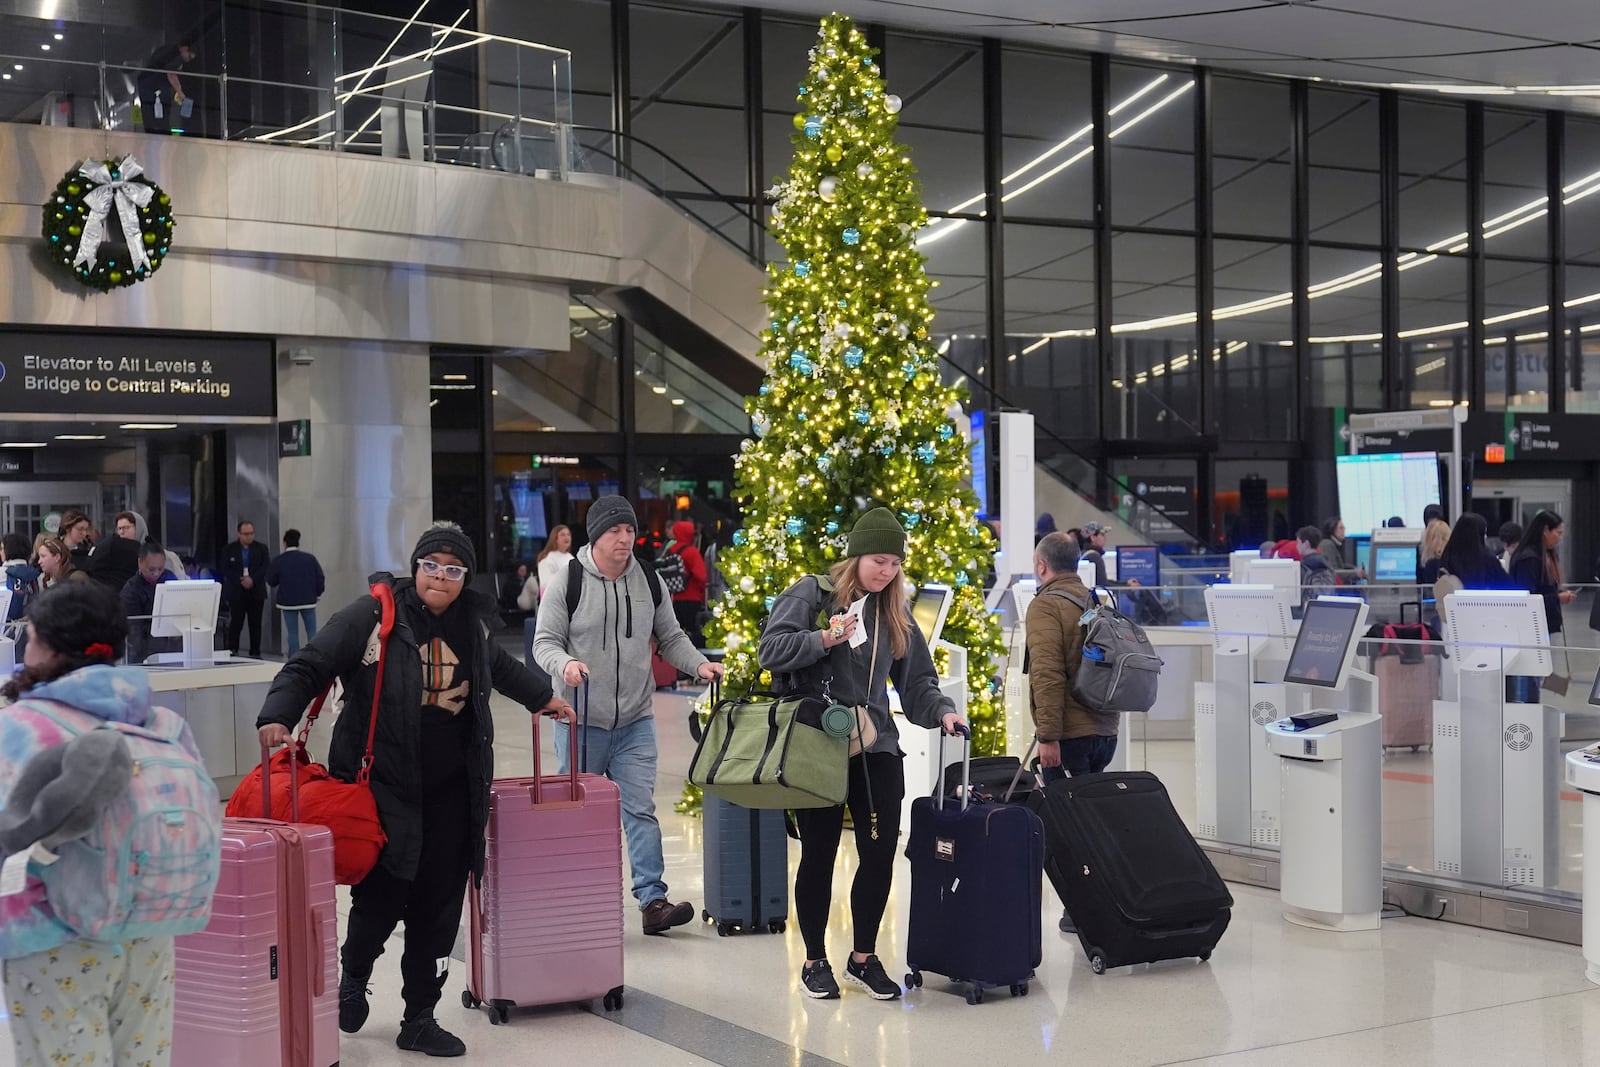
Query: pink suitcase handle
573 755
294 783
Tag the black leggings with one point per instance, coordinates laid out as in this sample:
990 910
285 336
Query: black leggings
820 829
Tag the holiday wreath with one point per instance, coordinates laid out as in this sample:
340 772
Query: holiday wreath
77 224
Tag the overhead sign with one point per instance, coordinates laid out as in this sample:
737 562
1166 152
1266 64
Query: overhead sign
106 373
294 438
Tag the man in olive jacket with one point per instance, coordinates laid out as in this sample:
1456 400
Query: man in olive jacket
1073 739
432 761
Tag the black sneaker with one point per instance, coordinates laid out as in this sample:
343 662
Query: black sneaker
425 1035
870 976
353 1005
816 981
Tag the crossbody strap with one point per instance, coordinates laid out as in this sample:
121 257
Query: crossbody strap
385 597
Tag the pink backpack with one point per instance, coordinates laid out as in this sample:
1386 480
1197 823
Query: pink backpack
151 866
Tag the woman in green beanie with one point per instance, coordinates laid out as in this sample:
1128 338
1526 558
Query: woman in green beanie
894 650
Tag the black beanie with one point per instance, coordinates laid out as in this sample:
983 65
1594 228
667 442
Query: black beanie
445 537
607 512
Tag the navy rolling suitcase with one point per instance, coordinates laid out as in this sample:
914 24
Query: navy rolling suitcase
976 882
1137 886
746 867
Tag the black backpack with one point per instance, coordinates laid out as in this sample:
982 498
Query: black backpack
672 572
575 587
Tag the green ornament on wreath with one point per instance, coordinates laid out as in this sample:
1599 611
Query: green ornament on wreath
86 244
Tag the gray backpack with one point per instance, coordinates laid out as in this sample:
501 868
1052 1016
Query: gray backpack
1120 669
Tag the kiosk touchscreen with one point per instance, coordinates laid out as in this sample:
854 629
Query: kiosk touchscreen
1282 573
1326 642
187 609
930 609
1394 563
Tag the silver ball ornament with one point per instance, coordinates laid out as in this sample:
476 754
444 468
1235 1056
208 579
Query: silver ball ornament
864 171
828 188
747 584
891 104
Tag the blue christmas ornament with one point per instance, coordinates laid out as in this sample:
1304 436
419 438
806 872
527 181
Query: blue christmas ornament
800 415
770 601
863 416
910 368
853 356
739 538
946 432
802 268
912 519
926 453
794 527
813 127
844 303
796 358
764 388
831 527
838 509
804 90
886 450
852 236
824 462
777 327
961 577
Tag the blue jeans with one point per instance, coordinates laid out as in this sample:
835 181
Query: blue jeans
292 618
628 757
1082 755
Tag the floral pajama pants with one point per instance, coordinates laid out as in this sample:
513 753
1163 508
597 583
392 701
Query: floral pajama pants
93 1004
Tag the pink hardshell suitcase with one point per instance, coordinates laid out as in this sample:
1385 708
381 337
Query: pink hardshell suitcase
259 986
545 927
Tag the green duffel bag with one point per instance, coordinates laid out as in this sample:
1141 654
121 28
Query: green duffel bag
763 750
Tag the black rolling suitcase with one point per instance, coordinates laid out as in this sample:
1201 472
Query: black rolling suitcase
1133 879
976 891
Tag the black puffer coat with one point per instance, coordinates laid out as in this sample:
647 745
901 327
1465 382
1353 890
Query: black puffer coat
346 649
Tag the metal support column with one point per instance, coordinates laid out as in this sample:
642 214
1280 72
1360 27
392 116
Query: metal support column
621 84
1099 96
1395 394
1474 388
1555 157
1300 231
754 125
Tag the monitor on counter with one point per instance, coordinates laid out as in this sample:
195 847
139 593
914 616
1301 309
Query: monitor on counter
185 605
1394 563
1326 642
930 609
1139 563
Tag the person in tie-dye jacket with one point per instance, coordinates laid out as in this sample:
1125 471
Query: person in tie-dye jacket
87 955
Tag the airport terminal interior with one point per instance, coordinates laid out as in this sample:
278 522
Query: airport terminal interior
1288 309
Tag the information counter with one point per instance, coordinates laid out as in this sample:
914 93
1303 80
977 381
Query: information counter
220 702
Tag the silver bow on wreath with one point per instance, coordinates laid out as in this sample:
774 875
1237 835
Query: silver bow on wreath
129 196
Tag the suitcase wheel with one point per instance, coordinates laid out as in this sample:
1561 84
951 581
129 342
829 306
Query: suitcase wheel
1205 956
1019 989
469 1001
914 980
974 993
777 926
1097 963
613 1000
499 1012
724 929
705 916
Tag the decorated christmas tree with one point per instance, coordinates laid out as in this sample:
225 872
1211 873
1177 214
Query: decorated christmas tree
853 413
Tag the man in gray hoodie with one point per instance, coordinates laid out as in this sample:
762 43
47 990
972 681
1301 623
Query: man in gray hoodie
606 641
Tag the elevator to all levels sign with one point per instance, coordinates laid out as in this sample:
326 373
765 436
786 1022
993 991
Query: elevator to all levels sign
109 374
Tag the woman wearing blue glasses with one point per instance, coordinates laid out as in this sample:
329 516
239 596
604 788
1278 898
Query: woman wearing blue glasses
433 758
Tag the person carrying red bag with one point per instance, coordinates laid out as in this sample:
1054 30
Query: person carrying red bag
432 761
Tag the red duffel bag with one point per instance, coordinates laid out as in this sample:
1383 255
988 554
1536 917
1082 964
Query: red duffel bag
348 809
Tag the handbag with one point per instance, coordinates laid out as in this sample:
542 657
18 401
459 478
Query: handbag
348 809
765 750
865 734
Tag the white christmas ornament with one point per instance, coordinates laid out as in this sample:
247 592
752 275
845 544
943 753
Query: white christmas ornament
891 103
828 188
864 171
747 584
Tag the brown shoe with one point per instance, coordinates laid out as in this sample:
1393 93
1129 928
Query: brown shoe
662 915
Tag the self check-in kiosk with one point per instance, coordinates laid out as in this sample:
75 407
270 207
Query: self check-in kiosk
1236 779
1495 762
929 611
1330 859
1583 774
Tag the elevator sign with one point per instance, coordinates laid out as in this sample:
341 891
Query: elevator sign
106 373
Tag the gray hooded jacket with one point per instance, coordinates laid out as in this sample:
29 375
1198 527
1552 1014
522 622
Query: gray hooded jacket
610 632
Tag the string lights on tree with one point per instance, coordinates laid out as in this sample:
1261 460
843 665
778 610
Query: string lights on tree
853 413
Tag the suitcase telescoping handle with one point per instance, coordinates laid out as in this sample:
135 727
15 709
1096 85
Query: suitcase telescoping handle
266 783
966 767
572 751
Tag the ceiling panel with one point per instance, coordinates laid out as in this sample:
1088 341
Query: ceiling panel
1552 20
1552 65
1318 34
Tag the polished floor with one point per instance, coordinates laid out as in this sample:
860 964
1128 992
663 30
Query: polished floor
1415 992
